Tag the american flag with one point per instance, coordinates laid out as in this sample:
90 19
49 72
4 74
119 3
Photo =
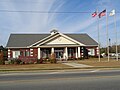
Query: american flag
103 13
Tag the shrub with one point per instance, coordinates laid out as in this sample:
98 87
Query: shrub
40 60
95 56
2 62
35 62
45 60
53 59
17 61
31 62
79 58
21 63
11 61
1 55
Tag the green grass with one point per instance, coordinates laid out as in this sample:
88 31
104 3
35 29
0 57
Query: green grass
32 67
103 63
59 66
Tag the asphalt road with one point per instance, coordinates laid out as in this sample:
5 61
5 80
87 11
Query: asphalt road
62 80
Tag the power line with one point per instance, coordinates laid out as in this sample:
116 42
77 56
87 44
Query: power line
39 11
15 1
21 11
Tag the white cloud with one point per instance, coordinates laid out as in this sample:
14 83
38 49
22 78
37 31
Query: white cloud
28 22
52 16
102 4
38 21
25 22
79 26
42 22
12 18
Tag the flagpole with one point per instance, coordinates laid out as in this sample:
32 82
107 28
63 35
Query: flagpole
116 38
98 38
107 37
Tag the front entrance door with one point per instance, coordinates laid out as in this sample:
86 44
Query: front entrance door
59 53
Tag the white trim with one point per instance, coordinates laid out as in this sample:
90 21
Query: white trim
60 40
17 47
8 53
31 49
78 52
97 50
91 45
31 52
39 53
52 50
72 39
42 39
56 35
66 53
31 55
44 46
47 40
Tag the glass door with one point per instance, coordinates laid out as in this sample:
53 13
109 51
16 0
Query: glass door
59 53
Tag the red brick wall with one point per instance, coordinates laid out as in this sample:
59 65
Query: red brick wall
35 52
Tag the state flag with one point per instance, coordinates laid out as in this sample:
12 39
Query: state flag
94 14
112 13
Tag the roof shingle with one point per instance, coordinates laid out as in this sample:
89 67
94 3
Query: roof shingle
24 40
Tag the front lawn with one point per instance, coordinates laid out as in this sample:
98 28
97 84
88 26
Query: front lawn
103 63
33 67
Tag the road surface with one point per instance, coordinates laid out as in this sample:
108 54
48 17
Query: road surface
61 80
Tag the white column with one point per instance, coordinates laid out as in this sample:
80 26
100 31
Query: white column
66 53
8 53
13 54
78 52
39 53
52 50
82 52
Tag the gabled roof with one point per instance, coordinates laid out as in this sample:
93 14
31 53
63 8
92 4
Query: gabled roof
83 38
24 40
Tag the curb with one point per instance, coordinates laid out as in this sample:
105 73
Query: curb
46 69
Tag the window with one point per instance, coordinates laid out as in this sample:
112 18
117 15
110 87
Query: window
91 52
26 53
70 52
16 54
45 53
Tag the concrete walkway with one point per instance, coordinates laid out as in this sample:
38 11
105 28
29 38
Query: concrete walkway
76 64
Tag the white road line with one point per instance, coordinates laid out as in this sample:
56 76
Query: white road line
11 74
95 70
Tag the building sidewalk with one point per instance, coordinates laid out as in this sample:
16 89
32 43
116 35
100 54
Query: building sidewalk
76 65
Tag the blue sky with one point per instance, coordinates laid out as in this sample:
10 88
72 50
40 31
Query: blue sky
75 17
